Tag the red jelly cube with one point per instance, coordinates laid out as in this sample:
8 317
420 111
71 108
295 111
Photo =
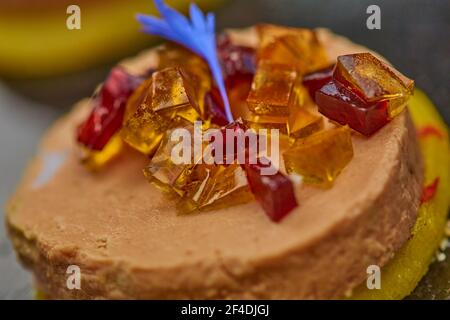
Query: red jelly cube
315 80
373 80
340 104
236 61
107 114
275 193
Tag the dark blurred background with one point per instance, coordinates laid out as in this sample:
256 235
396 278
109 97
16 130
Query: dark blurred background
414 36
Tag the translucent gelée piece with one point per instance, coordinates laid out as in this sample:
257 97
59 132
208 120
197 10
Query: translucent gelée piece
215 187
319 158
139 96
172 55
230 186
173 95
108 109
240 109
95 160
315 80
257 121
301 120
169 101
236 61
144 129
373 80
163 172
302 123
340 104
194 67
299 48
173 174
300 96
271 89
275 193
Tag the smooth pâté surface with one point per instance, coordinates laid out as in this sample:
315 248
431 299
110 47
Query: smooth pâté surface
129 242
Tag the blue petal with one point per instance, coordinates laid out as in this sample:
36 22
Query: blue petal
150 22
158 27
197 35
197 17
173 17
211 22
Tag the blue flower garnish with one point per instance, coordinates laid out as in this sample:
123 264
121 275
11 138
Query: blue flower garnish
197 35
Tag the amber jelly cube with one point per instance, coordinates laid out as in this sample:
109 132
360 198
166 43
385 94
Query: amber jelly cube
252 119
139 96
302 123
257 122
170 99
319 158
215 187
299 48
144 130
163 172
373 80
302 120
96 159
173 95
195 69
271 89
166 175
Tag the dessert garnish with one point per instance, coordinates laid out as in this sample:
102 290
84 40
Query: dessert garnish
197 35
274 193
284 90
109 107
364 93
98 134
320 157
342 105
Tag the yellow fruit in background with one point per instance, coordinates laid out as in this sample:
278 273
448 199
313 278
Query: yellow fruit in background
36 42
402 274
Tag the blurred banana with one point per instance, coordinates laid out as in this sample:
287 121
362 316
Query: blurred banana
37 43
402 274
